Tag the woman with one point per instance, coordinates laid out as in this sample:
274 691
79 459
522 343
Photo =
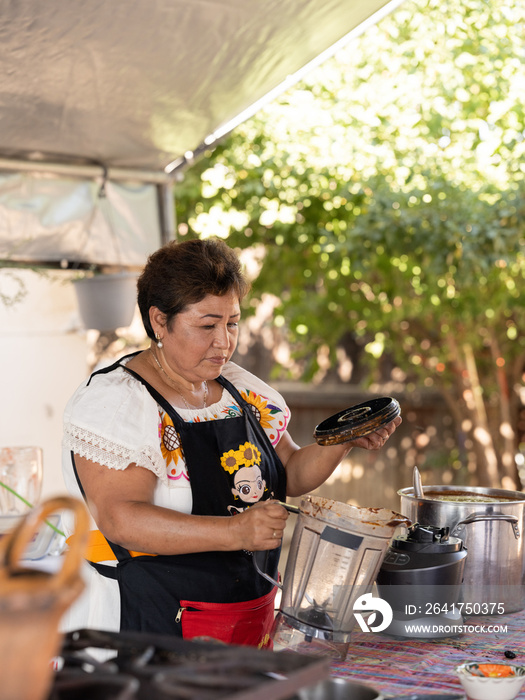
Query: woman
182 457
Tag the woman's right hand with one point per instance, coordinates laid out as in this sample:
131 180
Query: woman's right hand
260 527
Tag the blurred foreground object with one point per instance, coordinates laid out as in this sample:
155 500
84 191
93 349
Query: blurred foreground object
32 603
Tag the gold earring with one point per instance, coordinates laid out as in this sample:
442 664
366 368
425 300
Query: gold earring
159 341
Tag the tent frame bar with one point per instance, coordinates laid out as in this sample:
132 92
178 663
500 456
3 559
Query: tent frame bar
85 171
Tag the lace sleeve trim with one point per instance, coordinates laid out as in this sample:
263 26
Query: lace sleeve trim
111 454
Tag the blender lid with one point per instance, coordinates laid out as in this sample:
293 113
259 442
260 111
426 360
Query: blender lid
357 421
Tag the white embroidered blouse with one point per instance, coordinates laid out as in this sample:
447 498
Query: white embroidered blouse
115 421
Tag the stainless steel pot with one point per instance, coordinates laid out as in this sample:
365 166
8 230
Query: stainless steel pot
493 532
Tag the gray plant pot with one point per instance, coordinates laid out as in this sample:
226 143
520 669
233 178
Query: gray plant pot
107 302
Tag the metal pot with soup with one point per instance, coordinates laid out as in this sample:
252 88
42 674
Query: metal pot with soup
491 523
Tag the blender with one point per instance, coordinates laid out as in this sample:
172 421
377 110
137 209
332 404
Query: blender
335 554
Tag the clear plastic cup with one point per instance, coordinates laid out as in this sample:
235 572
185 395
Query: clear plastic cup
20 483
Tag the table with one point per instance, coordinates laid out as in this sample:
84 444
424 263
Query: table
397 666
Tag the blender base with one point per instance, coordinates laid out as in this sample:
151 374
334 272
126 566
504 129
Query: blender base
290 634
426 627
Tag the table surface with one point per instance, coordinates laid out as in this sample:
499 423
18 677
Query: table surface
402 666
398 666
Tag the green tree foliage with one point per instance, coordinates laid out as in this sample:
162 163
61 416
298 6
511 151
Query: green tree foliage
388 193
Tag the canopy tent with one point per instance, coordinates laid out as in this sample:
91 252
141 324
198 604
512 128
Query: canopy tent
120 95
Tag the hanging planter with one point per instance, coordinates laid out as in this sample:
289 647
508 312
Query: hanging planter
107 302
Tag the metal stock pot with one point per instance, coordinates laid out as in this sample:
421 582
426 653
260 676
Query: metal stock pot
491 523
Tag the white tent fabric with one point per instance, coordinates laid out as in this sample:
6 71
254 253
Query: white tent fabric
131 86
136 84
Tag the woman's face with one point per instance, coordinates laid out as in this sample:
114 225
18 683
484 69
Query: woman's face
203 337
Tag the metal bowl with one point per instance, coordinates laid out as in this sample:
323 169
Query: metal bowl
338 689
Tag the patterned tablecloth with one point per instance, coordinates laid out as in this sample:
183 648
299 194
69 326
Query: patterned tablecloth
398 666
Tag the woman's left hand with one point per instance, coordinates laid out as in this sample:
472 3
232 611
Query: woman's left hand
376 440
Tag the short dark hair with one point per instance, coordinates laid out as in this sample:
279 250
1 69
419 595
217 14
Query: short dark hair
183 273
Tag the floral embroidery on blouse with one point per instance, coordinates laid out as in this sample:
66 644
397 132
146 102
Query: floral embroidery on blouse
273 420
232 411
171 448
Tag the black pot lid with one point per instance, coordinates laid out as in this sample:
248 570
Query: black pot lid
357 421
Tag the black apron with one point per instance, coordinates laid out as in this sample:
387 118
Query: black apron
215 452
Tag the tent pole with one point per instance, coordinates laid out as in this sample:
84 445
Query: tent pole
168 223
